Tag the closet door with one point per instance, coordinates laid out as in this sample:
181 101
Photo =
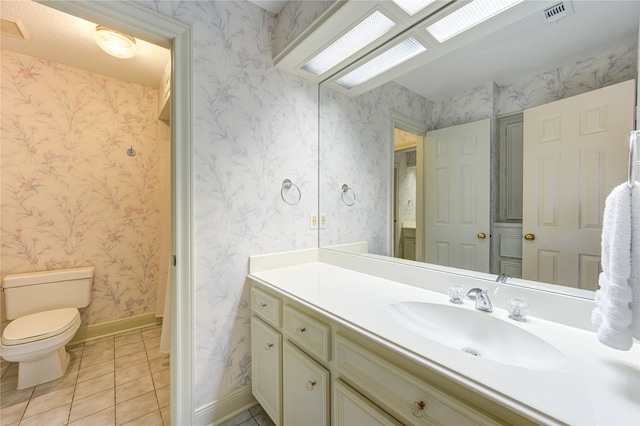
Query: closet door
575 152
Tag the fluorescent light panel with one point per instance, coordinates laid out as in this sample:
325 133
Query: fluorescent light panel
468 16
381 63
372 27
413 6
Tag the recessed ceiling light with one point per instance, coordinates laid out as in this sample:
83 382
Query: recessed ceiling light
372 27
381 63
413 6
467 16
115 43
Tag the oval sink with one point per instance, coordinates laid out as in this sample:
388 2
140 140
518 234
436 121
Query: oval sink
478 333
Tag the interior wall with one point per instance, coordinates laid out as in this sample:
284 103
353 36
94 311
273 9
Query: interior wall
254 127
355 149
71 195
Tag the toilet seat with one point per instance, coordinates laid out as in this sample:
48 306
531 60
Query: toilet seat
39 326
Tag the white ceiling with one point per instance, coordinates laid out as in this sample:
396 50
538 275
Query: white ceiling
529 47
521 50
65 39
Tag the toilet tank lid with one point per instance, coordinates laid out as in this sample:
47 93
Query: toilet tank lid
31 278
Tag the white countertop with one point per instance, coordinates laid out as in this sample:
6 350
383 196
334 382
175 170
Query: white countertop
600 385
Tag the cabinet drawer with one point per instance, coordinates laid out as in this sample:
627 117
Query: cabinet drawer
307 332
306 389
352 409
266 306
400 393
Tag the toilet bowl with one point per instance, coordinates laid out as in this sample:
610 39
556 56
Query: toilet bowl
37 342
43 307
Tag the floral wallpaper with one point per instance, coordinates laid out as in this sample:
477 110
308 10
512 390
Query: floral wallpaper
70 194
254 127
295 17
355 149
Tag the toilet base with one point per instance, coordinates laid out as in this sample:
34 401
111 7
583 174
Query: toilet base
43 370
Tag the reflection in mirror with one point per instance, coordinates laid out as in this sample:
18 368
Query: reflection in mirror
503 78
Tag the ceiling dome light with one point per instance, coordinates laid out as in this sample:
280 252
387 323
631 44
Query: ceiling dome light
115 43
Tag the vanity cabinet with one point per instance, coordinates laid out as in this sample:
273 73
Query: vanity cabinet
306 389
309 369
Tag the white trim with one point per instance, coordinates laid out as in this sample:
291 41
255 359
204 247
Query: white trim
225 408
147 24
409 124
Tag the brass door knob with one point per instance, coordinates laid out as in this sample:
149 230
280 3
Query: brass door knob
482 235
529 237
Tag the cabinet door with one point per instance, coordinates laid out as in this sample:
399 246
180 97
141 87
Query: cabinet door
266 362
306 389
352 409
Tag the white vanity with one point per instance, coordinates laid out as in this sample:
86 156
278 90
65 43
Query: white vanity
326 349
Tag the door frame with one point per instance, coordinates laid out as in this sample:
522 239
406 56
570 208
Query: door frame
404 122
163 30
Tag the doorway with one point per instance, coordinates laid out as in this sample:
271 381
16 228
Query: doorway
143 23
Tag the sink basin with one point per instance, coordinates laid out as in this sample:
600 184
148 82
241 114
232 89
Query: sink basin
478 333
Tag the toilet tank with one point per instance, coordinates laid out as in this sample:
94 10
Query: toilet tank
33 292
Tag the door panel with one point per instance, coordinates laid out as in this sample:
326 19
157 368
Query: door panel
457 196
575 152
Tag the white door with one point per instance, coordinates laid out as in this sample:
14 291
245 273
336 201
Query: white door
457 196
575 152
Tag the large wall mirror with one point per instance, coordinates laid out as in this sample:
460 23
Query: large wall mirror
496 157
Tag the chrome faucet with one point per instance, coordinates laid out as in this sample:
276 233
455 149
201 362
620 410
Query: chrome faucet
483 303
502 278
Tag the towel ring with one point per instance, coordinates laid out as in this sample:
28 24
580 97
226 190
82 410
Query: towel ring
286 186
634 162
345 190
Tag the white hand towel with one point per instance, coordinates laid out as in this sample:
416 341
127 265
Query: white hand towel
635 260
613 313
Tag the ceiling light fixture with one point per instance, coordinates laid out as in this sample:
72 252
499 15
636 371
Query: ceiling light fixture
381 63
468 16
413 6
115 43
372 27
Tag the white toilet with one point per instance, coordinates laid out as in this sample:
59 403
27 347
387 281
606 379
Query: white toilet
43 307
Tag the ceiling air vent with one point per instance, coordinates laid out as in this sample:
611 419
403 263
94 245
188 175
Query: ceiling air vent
558 11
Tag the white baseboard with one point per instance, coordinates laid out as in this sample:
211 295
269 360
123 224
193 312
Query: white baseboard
227 407
91 332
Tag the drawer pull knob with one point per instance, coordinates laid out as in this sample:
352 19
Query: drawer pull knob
301 330
311 385
417 408
268 346
262 305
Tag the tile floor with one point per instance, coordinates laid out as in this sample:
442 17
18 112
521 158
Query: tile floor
116 380
255 416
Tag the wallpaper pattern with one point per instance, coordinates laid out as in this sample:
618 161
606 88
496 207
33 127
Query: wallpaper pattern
254 127
70 194
355 149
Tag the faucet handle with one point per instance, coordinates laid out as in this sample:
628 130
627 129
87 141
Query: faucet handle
456 294
518 309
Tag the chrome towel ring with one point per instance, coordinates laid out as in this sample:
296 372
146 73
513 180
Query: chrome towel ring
351 197
286 187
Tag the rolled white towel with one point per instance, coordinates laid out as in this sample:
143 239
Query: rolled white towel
634 280
613 313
